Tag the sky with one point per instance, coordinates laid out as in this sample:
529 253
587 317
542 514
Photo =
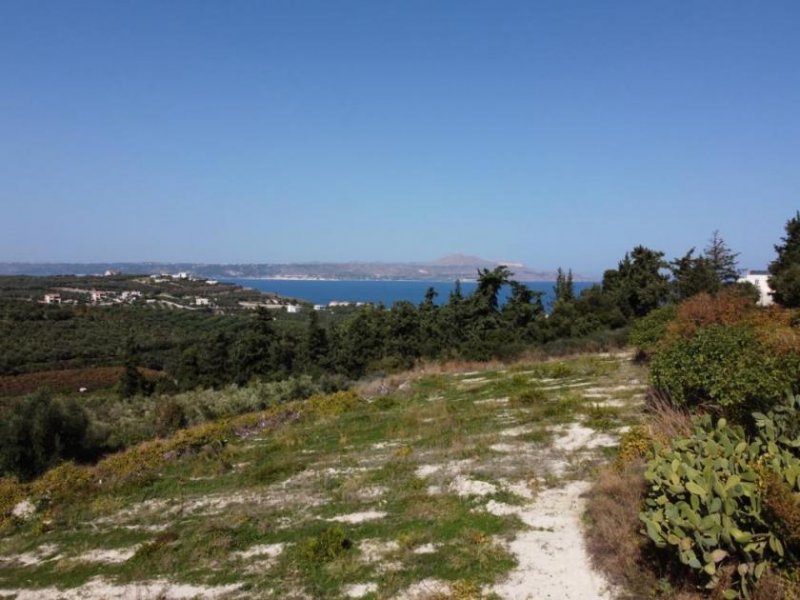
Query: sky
547 132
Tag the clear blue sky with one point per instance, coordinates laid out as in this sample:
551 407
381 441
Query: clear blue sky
554 133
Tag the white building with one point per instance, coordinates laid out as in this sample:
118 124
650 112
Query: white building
52 298
292 308
98 296
202 301
760 279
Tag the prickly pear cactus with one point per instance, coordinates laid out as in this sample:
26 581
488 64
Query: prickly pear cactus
704 499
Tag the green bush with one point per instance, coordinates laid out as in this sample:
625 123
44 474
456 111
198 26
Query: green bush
705 496
648 331
37 432
726 365
328 544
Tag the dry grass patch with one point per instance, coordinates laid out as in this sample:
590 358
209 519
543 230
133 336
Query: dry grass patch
667 421
612 538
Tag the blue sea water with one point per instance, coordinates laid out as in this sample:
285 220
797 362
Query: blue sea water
387 292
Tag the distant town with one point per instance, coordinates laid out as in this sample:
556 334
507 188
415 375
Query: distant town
174 291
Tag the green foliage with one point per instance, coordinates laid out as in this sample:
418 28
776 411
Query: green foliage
693 275
747 290
564 289
32 339
638 284
529 397
635 444
648 331
785 269
327 545
169 416
131 380
722 259
327 405
726 365
489 283
704 501
38 431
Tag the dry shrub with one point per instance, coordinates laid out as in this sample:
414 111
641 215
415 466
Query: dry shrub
776 328
772 586
11 492
613 539
667 420
728 307
784 506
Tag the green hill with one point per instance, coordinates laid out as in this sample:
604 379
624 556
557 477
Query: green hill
439 485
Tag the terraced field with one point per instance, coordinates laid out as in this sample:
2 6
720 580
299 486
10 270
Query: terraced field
454 485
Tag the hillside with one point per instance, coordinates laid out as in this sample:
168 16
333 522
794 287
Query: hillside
439 485
449 268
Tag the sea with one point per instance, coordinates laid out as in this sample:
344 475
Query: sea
386 292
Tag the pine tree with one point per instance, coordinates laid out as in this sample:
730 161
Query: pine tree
637 285
722 259
694 274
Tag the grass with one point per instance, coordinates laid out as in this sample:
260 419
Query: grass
287 483
613 537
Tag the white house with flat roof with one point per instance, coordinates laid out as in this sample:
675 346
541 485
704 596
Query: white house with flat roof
760 279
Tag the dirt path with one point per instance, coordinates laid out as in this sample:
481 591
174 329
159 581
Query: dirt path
553 563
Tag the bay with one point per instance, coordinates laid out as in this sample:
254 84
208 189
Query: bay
386 292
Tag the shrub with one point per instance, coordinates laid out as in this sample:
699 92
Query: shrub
170 415
704 500
777 329
724 365
648 331
66 480
326 546
634 445
38 431
11 492
528 397
332 404
783 507
728 307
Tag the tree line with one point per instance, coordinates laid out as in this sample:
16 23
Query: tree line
475 326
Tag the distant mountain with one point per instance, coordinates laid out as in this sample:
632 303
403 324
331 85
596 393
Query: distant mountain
448 268
463 260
